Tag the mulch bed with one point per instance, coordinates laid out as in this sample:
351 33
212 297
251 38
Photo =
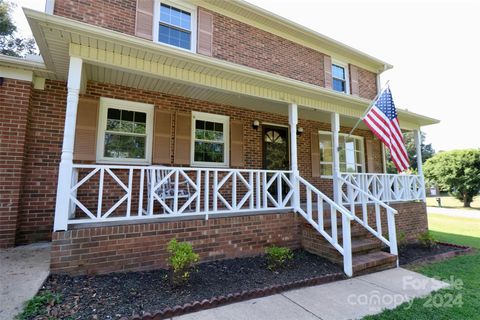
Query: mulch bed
416 253
119 295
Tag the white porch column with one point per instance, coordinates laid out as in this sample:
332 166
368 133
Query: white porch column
293 121
66 162
417 134
335 127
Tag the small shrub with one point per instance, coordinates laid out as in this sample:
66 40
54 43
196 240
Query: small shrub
37 306
182 261
402 240
426 240
278 257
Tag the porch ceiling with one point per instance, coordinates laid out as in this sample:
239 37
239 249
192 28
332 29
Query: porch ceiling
117 58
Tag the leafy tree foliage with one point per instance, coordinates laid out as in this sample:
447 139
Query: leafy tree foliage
456 171
11 43
427 152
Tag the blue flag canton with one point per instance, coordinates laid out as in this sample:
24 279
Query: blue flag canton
386 105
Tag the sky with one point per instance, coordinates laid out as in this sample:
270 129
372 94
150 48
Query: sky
433 45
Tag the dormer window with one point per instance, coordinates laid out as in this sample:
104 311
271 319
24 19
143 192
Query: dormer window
340 77
176 24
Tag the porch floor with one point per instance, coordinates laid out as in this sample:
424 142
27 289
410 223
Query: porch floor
347 299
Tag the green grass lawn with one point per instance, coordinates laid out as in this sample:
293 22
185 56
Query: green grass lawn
451 202
461 231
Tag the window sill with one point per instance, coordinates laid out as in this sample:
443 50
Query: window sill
210 165
124 162
175 47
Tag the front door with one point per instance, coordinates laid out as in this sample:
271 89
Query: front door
275 148
276 155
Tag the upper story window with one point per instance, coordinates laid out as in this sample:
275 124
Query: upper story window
176 24
351 153
210 139
124 131
340 77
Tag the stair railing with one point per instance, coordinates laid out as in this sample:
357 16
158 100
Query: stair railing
353 196
316 200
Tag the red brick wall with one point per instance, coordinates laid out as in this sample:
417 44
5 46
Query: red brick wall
241 43
233 41
14 110
117 15
367 84
44 143
143 246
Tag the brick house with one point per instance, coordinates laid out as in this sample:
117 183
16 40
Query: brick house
212 122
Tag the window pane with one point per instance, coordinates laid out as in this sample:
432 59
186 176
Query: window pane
174 37
339 85
200 124
326 169
140 117
140 128
113 125
175 17
200 134
209 152
123 147
113 113
326 155
338 72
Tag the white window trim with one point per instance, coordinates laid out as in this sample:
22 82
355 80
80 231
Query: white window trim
226 135
105 103
347 75
362 151
180 5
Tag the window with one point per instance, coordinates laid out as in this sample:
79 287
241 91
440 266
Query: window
210 139
352 156
176 24
125 131
340 77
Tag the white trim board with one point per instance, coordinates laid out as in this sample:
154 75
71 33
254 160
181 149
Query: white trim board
17 74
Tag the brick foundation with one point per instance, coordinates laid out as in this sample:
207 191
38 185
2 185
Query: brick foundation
136 247
143 246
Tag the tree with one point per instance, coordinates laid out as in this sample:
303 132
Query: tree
427 152
456 171
11 43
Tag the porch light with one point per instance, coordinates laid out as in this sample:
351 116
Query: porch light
255 124
299 131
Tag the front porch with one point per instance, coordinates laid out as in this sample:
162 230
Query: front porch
106 187
155 138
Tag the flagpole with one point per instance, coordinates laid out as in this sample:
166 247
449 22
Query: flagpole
368 109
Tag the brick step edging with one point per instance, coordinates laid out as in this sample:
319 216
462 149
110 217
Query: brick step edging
236 297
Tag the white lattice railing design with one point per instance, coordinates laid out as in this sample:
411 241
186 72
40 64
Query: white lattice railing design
142 193
355 197
315 201
389 187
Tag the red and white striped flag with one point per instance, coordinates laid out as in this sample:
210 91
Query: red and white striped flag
383 121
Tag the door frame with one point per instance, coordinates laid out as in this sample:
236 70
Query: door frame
265 127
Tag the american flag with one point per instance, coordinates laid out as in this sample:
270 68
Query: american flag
383 121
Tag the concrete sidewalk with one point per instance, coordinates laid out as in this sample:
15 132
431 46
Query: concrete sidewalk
348 299
452 212
23 270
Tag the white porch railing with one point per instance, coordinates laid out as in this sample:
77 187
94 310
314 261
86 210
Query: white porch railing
353 196
388 187
315 201
101 193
